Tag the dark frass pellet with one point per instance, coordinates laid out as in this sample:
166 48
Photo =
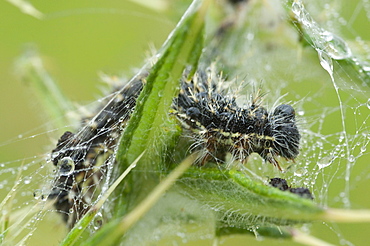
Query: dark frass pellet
281 184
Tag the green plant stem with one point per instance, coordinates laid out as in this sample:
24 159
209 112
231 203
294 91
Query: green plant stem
31 70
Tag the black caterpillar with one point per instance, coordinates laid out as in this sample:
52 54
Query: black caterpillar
81 158
221 126
214 119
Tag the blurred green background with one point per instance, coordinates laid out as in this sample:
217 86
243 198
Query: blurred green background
76 40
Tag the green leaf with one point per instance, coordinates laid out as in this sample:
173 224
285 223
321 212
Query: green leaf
150 128
244 203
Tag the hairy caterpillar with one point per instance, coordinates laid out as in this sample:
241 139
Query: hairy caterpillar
222 126
81 158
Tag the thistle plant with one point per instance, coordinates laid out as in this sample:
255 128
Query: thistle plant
147 188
